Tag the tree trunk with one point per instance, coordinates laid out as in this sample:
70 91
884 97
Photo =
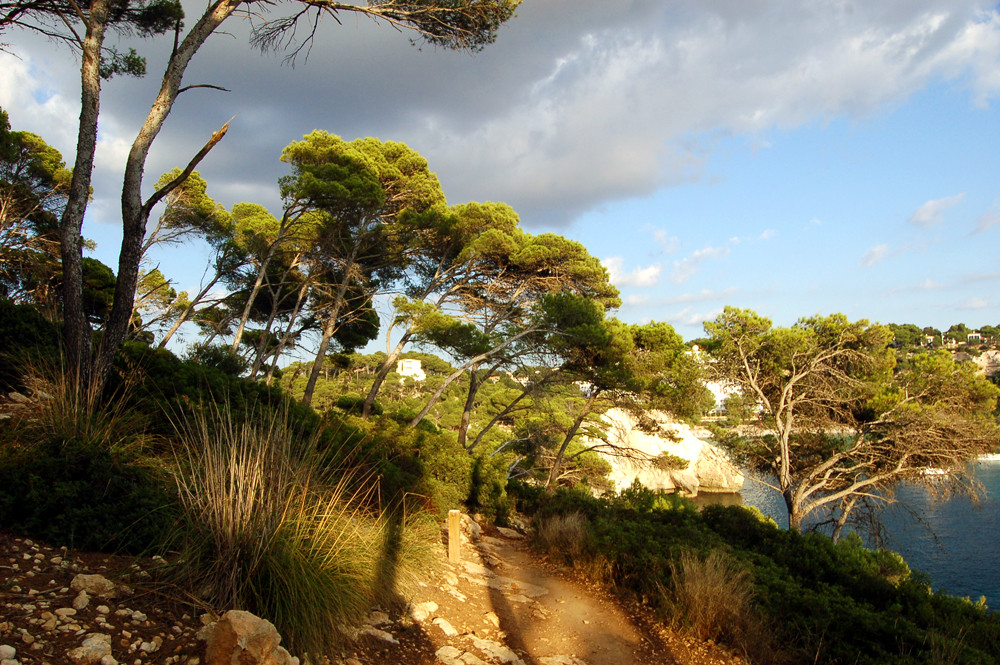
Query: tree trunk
470 400
461 370
383 371
329 327
554 471
135 213
76 328
187 312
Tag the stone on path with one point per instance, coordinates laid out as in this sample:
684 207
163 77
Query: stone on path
445 627
495 651
240 637
94 648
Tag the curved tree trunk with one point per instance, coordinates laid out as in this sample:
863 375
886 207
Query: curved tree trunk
383 371
135 213
570 434
470 400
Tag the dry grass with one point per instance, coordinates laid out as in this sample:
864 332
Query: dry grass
567 535
712 597
268 529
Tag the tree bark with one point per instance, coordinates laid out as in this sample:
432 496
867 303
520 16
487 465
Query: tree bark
470 400
554 471
76 328
383 371
135 213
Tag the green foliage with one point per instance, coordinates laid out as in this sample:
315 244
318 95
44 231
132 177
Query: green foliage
268 526
26 335
820 602
85 495
76 468
220 357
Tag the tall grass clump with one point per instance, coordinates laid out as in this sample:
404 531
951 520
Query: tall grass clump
565 534
77 468
270 528
711 596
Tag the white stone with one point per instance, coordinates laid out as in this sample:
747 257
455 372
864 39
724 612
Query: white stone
93 649
421 611
448 655
445 627
7 651
492 618
81 601
371 631
377 618
94 585
495 651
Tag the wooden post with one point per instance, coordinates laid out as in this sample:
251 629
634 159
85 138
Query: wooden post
454 536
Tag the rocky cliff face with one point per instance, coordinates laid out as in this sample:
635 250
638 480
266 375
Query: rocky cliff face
708 469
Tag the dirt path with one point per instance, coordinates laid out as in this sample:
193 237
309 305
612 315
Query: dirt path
503 604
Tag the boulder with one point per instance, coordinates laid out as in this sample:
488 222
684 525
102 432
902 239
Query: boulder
708 468
240 638
94 649
93 585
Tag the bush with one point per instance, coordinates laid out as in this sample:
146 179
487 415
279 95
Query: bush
567 535
75 470
217 356
269 529
84 495
712 596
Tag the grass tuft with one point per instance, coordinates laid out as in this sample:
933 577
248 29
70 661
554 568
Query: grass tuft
269 529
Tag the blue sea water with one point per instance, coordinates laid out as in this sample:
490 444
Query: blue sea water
954 542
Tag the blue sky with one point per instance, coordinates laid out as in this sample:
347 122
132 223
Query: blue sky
792 157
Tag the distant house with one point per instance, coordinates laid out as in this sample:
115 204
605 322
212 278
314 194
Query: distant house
410 367
974 337
929 340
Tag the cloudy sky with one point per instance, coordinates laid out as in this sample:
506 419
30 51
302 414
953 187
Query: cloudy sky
790 156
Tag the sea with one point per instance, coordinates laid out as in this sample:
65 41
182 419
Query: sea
954 541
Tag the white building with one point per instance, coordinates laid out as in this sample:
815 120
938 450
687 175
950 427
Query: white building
410 367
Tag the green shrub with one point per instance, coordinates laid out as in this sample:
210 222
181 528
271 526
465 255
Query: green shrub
220 357
268 528
84 495
75 470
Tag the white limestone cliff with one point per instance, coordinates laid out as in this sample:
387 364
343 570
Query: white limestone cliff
708 470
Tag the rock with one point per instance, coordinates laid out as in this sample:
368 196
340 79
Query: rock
471 528
421 611
81 601
495 651
449 655
7 652
492 618
510 533
94 648
708 468
561 660
377 618
240 637
371 631
445 627
94 585
17 397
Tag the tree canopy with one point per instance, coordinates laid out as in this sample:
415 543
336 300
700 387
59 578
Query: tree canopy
836 422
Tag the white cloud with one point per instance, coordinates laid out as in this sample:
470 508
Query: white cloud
685 268
974 304
988 219
874 255
667 242
930 213
690 317
926 285
705 295
648 276
767 234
